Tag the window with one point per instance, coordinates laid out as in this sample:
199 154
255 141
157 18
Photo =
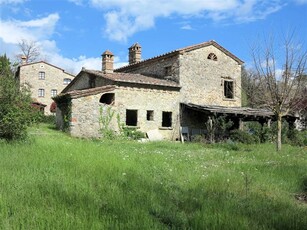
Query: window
41 75
150 115
54 92
168 71
107 98
166 119
212 56
66 81
228 89
41 93
131 117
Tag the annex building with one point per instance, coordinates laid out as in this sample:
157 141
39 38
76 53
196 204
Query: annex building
44 81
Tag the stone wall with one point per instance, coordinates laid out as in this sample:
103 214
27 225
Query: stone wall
158 67
202 80
86 111
54 80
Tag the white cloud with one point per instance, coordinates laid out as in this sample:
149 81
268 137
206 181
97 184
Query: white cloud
11 1
300 2
41 31
12 31
124 18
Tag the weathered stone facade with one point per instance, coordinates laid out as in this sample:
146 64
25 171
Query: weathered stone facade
202 79
148 94
141 100
44 80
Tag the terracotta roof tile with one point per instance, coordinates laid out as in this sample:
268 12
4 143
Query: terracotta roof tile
185 49
133 78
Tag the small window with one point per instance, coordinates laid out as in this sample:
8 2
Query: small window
66 81
41 75
168 71
228 89
150 115
41 66
41 93
54 92
166 119
212 56
107 98
131 117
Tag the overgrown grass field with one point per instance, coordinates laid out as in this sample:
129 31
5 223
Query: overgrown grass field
54 181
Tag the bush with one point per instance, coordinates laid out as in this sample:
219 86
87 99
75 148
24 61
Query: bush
16 112
132 133
243 137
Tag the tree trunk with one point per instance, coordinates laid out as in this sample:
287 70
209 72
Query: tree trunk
279 125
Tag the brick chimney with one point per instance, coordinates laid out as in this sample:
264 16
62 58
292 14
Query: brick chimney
135 53
107 62
23 60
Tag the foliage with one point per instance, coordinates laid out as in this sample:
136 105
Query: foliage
63 102
131 133
16 112
217 128
106 115
84 184
244 137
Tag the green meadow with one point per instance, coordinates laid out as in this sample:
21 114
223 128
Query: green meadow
53 181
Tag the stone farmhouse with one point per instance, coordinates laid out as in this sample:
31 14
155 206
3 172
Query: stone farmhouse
44 80
171 94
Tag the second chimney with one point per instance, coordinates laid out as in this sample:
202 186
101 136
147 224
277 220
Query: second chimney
107 62
135 53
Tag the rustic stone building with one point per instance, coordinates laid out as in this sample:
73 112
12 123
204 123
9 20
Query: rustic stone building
44 80
152 94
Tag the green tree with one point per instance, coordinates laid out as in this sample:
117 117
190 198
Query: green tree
16 112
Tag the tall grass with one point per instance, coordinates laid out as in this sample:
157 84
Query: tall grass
54 181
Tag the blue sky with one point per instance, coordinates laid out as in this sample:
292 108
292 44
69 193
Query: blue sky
74 33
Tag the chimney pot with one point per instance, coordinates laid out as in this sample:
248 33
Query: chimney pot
107 62
135 52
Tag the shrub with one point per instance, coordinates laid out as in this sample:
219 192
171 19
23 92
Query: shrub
243 137
132 133
16 112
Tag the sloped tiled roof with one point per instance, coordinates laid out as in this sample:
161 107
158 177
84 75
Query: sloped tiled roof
33 63
182 50
133 78
90 91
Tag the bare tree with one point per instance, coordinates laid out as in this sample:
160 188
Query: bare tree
278 79
30 50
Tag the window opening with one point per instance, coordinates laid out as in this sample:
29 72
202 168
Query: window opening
41 93
168 71
66 81
150 115
228 89
166 119
131 117
107 98
54 92
41 75
212 56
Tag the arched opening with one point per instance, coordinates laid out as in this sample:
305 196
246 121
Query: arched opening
212 56
107 98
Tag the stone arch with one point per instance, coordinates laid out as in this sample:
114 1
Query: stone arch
212 56
107 98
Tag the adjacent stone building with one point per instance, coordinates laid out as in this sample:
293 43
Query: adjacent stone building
152 94
44 80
